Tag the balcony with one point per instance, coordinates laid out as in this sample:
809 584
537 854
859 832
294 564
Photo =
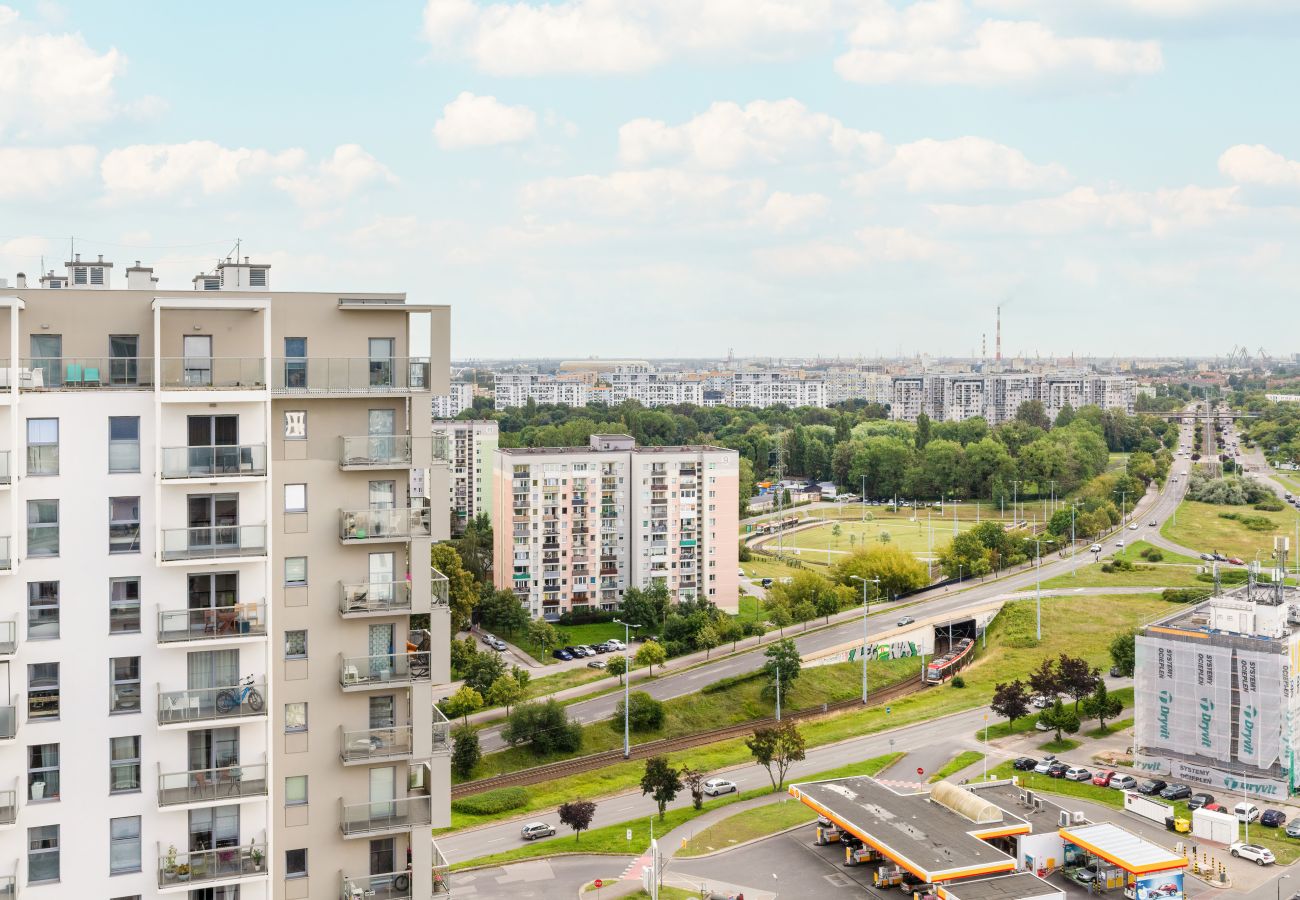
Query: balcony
378 525
6 558
183 871
213 373
62 373
388 451
354 375
211 704
221 623
370 744
206 463
8 721
8 637
386 669
9 886
384 816
8 807
208 786
6 469
374 598
213 542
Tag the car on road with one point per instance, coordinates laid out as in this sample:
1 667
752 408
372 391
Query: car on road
1057 770
534 830
1132 526
906 620
1116 672
1260 856
591 651
1120 543
1219 557
1207 557
766 582
1152 786
1044 765
1040 725
616 644
1176 792
740 572
602 648
562 655
1236 561
1196 801
717 786
1153 524
1215 807
488 639
1095 548
1024 764
1042 702
596 664
1102 778
1273 818
1122 782
1077 773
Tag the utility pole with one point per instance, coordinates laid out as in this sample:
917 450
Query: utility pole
1123 498
627 686
1015 495
780 506
864 628
1074 550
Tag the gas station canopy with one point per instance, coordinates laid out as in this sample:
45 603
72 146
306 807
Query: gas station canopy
1123 848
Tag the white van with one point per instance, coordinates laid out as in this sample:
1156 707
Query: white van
1246 812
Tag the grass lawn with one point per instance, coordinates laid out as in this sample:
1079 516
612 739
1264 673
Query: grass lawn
913 536
956 764
1064 745
1288 480
1110 728
1144 574
1070 624
1200 527
1133 553
595 633
750 609
558 681
760 567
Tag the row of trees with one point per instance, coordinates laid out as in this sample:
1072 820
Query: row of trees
1067 675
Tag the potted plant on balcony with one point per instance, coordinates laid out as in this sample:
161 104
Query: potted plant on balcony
183 872
256 855
169 864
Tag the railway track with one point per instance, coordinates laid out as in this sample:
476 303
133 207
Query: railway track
581 764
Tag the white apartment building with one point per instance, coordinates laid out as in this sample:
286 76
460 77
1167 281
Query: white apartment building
459 397
764 389
575 527
910 398
844 384
952 397
472 447
517 388
650 388
211 682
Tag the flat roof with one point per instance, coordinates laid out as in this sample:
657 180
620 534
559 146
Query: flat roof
1020 886
1123 848
924 837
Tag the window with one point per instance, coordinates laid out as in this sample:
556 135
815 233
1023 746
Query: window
295 425
124 684
295 863
295 790
124 845
295 571
295 717
295 645
124 359
47 357
42 527
123 444
43 691
295 362
42 446
42 610
295 498
123 524
96 275
43 772
257 277
42 854
124 764
123 605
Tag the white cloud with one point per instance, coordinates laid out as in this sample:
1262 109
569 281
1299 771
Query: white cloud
160 170
935 41
785 212
728 135
43 171
1256 164
473 121
872 245
349 170
962 164
649 194
52 83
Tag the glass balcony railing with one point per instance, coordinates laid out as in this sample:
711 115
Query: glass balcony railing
392 886
211 704
8 887
383 669
441 732
213 373
374 451
67 373
6 472
213 462
8 721
6 559
350 375
212 785
219 623
384 524
439 590
357 819
441 872
376 743
8 637
213 541
374 597
8 807
203 866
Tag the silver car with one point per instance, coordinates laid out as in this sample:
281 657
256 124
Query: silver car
534 830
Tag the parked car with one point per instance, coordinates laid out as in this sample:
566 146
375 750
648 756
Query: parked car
1236 561
1057 770
1024 764
574 652
616 644
1077 773
596 664
1122 782
1293 828
715 786
1085 874
562 654
591 651
602 648
1196 801
497 644
1273 818
1176 792
906 620
488 638
1215 807
1115 672
1040 725
1152 786
1102 778
1246 812
534 830
1260 856
1042 702
1219 557
1044 765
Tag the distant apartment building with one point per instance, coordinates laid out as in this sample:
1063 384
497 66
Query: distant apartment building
459 397
575 527
211 683
955 396
472 447
650 388
764 389
857 383
514 389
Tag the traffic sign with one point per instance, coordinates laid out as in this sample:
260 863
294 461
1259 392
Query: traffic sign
598 882
920 771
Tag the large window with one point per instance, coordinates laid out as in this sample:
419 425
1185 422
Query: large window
295 717
295 790
295 644
123 444
123 524
123 605
124 845
295 571
42 527
47 358
124 764
42 446
124 364
43 691
295 362
124 684
42 610
295 498
43 772
295 863
42 853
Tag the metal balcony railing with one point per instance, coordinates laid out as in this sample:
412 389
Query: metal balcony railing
6 560
383 669
357 819
441 732
214 462
8 721
213 541
220 623
376 743
211 704
203 866
8 637
8 807
384 524
68 373
370 597
391 886
211 785
208 373
351 375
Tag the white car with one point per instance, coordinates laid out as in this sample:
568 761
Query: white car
615 644
715 786
1044 765
1041 702
1261 856
1133 526
1077 773
1095 548
1119 543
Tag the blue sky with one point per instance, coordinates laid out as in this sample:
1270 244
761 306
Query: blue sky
680 177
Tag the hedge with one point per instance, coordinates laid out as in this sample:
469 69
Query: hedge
491 803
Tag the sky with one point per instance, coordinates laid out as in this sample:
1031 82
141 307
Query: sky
660 178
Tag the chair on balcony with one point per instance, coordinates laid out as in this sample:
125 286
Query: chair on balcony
91 376
199 786
72 374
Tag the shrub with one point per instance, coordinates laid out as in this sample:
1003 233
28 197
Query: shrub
676 648
491 803
545 727
586 617
1254 523
1271 504
958 681
1153 554
731 681
645 713
465 754
1184 595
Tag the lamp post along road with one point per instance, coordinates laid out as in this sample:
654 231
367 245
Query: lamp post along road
865 608
627 686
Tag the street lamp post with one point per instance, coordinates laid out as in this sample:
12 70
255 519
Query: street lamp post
1038 583
865 607
1281 878
627 686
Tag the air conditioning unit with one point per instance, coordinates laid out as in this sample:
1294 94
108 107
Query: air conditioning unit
1038 804
1023 799
1064 819
1079 817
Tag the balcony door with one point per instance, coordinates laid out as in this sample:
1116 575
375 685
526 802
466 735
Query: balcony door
205 669
47 358
124 359
381 362
381 649
381 428
197 362
213 521
383 856
214 828
211 599
213 443
381 589
383 792
213 748
383 712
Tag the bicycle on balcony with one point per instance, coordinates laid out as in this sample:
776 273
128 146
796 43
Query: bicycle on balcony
233 698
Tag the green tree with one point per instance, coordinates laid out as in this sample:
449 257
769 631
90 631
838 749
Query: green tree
746 481
1032 412
505 691
898 570
1044 681
1076 677
460 704
707 638
617 666
577 814
1010 700
778 613
661 781
545 727
776 748
465 752
521 676
693 779
462 592
1102 705
1123 653
475 548
647 608
645 713
543 634
1060 718
502 611
484 669
964 556
783 665
730 631
651 654
922 430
